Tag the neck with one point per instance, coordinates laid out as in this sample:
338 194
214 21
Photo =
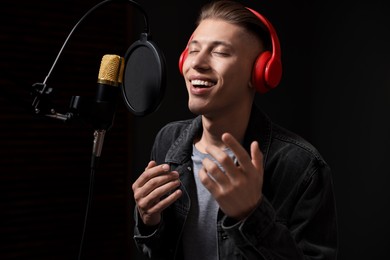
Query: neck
234 123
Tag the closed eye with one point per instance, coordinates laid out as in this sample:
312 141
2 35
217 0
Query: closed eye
222 54
193 51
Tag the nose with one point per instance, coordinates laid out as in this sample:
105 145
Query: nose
200 60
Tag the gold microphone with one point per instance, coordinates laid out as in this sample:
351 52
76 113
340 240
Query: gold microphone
109 79
111 70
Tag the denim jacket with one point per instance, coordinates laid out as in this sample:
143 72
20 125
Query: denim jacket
295 220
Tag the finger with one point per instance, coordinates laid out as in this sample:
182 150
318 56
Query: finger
214 172
159 181
166 202
241 154
151 215
151 164
223 158
257 156
208 181
151 171
157 187
146 197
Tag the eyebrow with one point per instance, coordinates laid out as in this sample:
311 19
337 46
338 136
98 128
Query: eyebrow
213 43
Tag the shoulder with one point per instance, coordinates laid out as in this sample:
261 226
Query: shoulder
293 166
277 142
294 152
291 140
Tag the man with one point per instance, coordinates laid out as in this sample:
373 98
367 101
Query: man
230 184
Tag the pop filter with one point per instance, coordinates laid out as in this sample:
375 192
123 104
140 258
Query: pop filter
144 77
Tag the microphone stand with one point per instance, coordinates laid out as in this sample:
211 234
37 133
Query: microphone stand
79 107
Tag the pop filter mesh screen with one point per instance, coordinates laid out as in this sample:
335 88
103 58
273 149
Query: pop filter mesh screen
144 78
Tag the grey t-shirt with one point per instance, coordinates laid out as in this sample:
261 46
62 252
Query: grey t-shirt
200 230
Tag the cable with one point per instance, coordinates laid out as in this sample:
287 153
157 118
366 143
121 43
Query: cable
89 203
82 19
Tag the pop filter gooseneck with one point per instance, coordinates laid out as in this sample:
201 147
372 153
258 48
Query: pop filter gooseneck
85 16
144 79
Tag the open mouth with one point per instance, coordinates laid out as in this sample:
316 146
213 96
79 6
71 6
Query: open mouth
197 83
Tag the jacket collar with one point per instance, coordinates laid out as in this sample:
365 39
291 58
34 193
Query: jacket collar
259 129
181 149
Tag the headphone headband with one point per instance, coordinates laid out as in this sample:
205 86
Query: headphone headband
268 66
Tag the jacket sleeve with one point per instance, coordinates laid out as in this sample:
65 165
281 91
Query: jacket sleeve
309 231
148 239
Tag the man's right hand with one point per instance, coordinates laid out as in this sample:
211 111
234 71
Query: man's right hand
154 190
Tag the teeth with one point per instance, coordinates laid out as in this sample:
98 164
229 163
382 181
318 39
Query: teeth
202 83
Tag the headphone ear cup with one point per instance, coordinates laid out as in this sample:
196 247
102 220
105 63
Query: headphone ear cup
259 71
182 58
273 73
267 72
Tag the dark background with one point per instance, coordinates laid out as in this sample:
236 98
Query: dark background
335 92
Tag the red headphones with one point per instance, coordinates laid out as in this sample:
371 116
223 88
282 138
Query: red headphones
267 70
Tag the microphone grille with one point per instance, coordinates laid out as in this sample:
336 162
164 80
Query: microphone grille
111 70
